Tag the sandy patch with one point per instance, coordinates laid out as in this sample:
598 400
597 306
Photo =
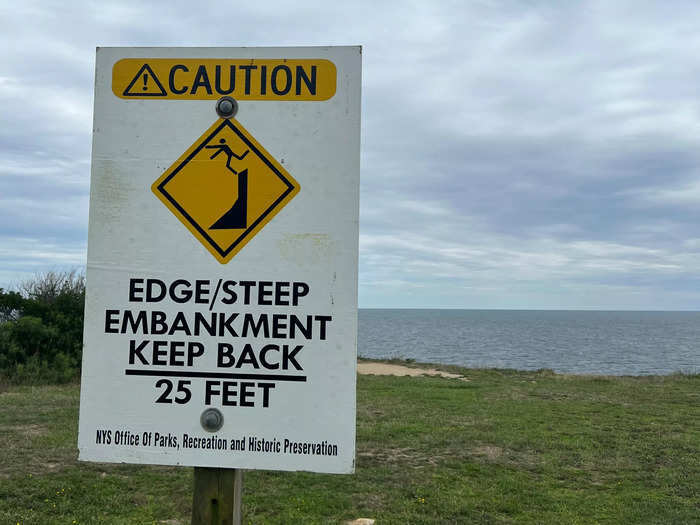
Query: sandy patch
488 452
386 369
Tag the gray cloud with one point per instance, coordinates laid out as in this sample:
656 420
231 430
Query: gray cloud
515 154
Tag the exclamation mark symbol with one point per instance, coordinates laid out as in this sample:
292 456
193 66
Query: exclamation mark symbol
145 81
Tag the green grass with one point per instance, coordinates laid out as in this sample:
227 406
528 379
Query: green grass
503 447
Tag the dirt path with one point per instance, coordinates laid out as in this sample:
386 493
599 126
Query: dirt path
386 369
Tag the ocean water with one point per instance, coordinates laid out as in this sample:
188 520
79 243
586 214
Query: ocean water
578 342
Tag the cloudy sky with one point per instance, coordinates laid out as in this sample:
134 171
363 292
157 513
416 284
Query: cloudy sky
515 154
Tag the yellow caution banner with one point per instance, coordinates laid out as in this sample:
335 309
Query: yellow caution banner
210 79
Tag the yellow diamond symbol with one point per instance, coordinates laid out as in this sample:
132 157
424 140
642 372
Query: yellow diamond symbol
225 188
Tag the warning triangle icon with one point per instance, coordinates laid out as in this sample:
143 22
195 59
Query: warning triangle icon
145 84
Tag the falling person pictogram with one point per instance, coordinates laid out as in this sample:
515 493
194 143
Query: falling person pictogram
236 216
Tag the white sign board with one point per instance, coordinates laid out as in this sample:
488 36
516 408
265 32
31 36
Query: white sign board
222 259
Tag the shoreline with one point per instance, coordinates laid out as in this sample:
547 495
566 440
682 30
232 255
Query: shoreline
410 367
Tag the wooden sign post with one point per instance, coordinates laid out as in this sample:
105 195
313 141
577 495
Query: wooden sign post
217 496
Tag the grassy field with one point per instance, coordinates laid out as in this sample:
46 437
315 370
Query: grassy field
502 447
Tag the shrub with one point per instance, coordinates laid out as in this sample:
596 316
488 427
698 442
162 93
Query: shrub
41 329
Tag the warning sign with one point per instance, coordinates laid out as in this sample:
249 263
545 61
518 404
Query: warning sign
225 188
145 84
209 79
221 289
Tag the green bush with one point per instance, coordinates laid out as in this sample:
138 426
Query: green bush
41 329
